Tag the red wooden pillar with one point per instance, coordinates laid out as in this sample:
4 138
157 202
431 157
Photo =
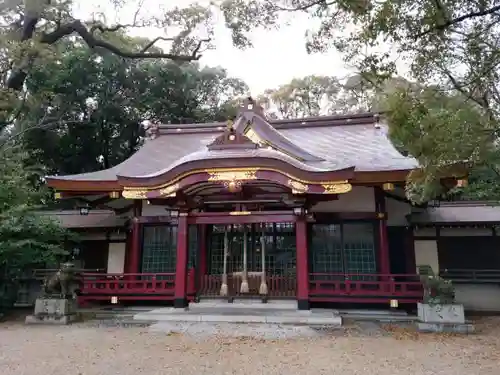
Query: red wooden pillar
302 263
384 260
133 258
180 294
135 247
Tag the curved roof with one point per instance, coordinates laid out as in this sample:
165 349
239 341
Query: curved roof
317 145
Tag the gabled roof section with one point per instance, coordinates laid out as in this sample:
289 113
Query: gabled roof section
252 123
232 140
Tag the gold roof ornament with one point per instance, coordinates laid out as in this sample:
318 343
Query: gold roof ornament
230 124
297 187
388 186
338 188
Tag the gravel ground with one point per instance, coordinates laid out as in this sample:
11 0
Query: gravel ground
359 349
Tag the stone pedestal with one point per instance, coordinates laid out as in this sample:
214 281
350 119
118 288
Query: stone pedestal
53 311
443 318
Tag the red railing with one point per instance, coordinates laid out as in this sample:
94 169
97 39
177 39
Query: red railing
131 286
369 288
278 286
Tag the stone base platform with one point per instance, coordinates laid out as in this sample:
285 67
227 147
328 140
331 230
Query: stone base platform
277 312
445 327
56 320
57 311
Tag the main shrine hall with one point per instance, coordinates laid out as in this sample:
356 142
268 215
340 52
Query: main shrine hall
311 209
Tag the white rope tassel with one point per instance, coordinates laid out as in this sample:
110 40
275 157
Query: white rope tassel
263 290
223 288
244 278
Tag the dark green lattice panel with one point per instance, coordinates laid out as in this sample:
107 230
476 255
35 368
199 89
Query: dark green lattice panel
193 246
343 248
281 254
159 249
359 248
280 248
326 250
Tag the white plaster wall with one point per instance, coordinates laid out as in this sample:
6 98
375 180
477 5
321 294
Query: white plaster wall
397 212
116 257
426 254
478 297
465 232
359 199
153 210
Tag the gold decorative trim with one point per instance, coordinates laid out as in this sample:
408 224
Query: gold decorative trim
340 188
170 191
114 194
240 213
219 170
235 175
388 186
297 187
252 135
134 194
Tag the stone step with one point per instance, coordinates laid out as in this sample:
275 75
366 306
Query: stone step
240 315
381 318
384 316
263 319
371 312
243 304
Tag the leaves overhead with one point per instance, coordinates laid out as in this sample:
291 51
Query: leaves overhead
103 101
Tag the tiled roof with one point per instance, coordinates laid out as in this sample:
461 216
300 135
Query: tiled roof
95 219
337 142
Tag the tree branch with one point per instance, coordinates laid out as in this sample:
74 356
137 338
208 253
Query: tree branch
301 7
454 21
17 78
43 125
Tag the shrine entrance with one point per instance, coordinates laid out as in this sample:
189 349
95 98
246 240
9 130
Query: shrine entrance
251 260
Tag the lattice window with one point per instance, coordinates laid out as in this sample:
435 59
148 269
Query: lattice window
280 248
359 248
216 249
343 248
193 246
326 250
159 249
283 257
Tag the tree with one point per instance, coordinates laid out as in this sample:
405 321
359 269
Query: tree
322 95
449 45
303 97
26 238
103 101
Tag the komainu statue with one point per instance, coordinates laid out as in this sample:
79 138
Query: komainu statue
61 284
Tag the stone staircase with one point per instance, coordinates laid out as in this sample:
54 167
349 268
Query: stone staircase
242 311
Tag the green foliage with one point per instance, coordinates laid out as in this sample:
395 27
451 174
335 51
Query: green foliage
437 291
451 45
101 103
27 239
438 129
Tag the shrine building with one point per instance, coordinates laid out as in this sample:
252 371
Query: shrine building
311 209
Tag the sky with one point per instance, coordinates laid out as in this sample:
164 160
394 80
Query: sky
277 56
